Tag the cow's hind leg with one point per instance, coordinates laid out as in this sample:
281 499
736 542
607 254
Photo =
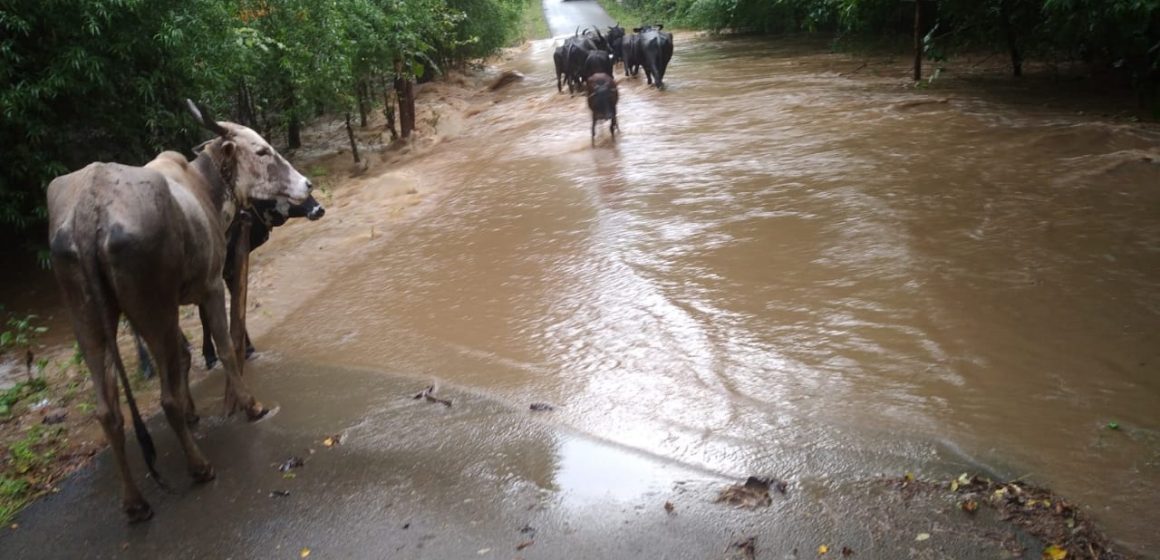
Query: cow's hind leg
158 324
144 362
237 395
93 326
207 349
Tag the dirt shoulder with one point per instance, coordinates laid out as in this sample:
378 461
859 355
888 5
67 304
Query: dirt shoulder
47 430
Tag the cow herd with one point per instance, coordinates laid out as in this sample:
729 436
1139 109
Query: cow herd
586 60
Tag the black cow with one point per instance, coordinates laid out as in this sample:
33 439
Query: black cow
602 98
600 41
576 49
559 57
268 214
628 46
598 62
654 51
615 43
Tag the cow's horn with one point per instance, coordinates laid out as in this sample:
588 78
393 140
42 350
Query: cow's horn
204 118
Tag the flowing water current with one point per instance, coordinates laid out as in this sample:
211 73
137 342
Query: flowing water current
781 266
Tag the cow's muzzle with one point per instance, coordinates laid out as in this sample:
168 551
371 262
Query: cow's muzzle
315 213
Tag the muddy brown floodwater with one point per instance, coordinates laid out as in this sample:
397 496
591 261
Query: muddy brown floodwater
778 269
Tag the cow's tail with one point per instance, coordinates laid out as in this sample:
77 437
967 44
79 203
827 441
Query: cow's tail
91 265
148 450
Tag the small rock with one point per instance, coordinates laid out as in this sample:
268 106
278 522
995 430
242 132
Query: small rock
55 416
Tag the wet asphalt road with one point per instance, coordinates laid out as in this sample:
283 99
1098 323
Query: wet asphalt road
479 479
565 15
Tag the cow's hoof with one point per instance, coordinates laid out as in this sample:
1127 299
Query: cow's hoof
202 474
210 362
256 411
191 419
138 512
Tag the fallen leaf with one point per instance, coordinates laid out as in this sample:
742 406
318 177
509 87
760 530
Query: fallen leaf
746 549
1053 552
669 507
847 551
304 552
483 551
279 494
1113 425
542 407
524 545
332 441
290 463
823 549
922 537
970 506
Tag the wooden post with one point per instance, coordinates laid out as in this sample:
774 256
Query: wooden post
239 292
917 40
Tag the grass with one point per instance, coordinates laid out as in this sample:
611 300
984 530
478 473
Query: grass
21 391
26 469
534 25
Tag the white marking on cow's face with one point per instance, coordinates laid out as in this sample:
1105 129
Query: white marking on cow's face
262 173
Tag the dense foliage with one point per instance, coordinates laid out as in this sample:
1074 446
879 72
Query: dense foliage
86 80
1122 36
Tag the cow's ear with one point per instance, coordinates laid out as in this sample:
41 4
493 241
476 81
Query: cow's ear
229 148
636 30
660 27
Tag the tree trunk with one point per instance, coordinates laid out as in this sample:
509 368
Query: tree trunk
294 131
405 88
350 135
360 93
246 113
294 127
917 40
1012 40
389 109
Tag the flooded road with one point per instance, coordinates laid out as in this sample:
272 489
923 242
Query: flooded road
779 269
775 269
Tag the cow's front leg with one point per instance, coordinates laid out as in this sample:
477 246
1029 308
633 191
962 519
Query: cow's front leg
237 395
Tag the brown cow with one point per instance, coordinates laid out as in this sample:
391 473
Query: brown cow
144 240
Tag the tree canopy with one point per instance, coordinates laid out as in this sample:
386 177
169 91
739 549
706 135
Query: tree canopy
88 80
